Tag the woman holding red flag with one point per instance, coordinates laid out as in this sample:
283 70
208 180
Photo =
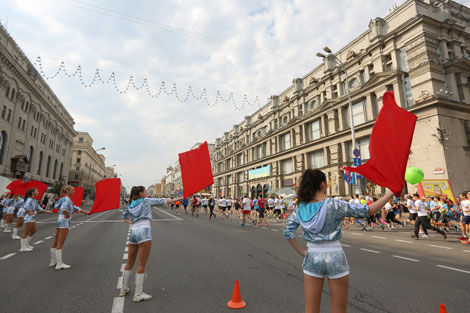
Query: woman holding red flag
66 208
31 207
139 215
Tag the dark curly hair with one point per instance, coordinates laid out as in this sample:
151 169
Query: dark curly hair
309 184
135 192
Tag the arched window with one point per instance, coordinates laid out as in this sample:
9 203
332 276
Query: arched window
48 166
40 163
55 169
12 94
61 169
3 143
30 158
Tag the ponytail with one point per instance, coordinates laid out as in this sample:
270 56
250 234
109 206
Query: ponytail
135 193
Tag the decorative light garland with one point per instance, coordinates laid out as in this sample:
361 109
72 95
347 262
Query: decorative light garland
145 85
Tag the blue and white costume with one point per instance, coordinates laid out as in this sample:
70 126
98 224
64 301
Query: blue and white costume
65 204
321 227
10 204
20 206
140 213
31 205
4 205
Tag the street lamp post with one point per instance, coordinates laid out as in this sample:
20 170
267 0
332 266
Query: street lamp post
351 119
91 165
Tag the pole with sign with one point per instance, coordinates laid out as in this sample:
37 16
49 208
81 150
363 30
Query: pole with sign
357 162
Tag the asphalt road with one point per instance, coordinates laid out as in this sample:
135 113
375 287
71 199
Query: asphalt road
194 263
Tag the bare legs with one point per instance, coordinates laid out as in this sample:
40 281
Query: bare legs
338 294
143 251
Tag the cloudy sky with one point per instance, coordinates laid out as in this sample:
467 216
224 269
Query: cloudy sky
252 47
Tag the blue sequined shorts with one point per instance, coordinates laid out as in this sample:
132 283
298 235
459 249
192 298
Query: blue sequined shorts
325 259
30 218
140 235
11 210
62 223
21 213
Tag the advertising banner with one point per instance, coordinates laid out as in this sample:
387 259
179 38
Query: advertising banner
436 187
264 171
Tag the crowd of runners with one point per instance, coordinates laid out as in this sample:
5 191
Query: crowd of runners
439 213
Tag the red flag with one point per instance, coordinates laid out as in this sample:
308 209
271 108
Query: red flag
196 170
15 187
77 197
108 195
39 185
389 146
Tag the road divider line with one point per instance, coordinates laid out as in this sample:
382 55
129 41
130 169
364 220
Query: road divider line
126 249
345 245
171 215
404 258
48 237
466 250
92 218
263 227
124 257
119 283
274 229
379 237
441 247
38 242
356 234
453 269
122 267
118 305
7 256
368 250
407 241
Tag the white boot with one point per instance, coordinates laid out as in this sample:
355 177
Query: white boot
7 228
139 285
23 246
15 234
125 280
60 265
28 239
2 222
53 258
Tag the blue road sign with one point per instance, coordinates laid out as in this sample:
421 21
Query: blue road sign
357 161
357 153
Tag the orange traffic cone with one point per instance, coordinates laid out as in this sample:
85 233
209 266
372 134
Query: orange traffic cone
236 302
442 308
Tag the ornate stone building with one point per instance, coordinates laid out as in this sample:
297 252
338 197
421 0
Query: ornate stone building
420 50
36 131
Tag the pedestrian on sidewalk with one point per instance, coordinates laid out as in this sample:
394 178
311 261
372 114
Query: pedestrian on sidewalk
423 219
321 219
66 209
139 215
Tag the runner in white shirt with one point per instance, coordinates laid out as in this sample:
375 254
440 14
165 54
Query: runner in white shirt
465 205
410 204
423 220
246 204
270 206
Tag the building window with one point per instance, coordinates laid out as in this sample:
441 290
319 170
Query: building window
388 64
358 113
61 169
229 179
316 159
30 158
286 166
3 141
55 169
40 163
371 69
76 176
314 130
4 111
80 139
285 141
240 177
48 165
78 160
79 152
9 115
19 122
240 159
334 91
342 87
77 168
362 76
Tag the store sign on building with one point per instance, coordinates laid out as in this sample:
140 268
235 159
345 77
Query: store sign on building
261 172
438 170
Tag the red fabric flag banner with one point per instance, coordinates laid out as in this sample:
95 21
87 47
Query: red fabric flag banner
77 197
389 146
196 170
15 187
108 195
39 185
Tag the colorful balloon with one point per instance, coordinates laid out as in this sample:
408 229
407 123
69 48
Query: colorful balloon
414 175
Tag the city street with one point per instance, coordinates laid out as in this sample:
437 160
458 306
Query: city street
194 263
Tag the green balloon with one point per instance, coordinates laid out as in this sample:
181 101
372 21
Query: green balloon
414 175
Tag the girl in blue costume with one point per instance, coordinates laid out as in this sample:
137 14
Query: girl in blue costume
31 207
66 209
19 217
320 219
139 215
10 211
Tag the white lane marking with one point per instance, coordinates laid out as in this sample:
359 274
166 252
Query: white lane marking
274 229
72 227
402 257
399 240
38 242
49 237
436 246
7 256
48 219
356 234
262 227
345 245
118 305
122 267
379 237
92 218
124 257
127 242
453 269
126 249
466 250
373 251
119 283
171 215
